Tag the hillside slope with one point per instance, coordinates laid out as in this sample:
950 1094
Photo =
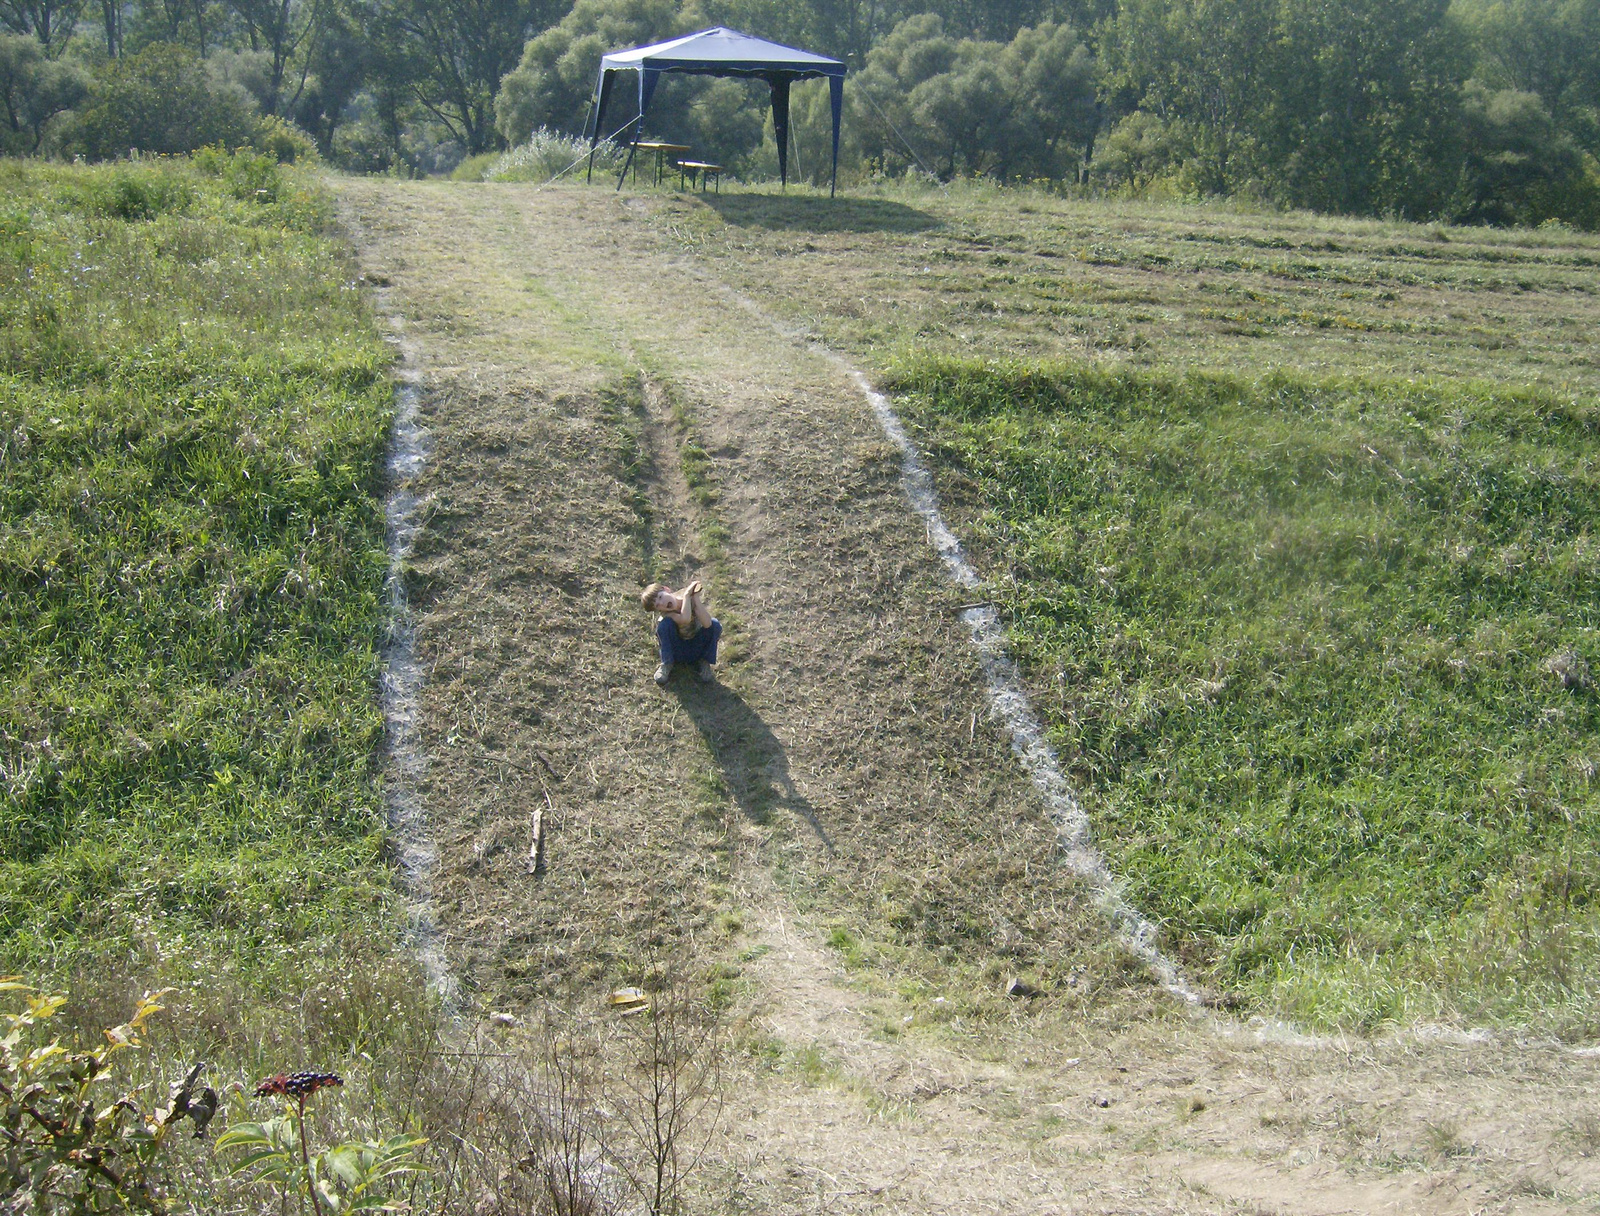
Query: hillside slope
836 834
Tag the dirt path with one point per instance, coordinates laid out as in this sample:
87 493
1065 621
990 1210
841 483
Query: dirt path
837 826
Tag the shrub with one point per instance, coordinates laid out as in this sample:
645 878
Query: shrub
283 141
1520 167
474 168
253 175
548 153
70 1146
1140 149
34 92
160 100
366 142
249 175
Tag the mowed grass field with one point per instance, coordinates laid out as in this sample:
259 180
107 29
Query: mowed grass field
1010 273
1294 521
194 405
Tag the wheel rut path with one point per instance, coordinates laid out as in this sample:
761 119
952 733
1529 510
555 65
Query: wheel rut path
838 829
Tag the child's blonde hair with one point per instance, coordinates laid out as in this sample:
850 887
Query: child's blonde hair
647 597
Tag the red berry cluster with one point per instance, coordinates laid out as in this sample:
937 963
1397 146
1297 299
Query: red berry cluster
297 1084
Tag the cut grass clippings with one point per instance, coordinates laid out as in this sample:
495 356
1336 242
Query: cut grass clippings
193 412
1322 653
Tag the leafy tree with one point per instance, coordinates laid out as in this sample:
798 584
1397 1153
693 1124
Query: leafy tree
52 22
371 139
1520 167
1362 109
845 29
340 63
993 20
722 119
34 91
1208 63
1055 76
1139 149
1023 108
1347 106
849 29
247 70
286 31
196 24
554 80
159 100
452 55
111 20
917 50
968 111
1547 47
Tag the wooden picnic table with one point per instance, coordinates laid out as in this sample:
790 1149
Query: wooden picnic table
660 148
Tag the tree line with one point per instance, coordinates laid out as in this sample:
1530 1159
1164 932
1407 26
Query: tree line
1471 111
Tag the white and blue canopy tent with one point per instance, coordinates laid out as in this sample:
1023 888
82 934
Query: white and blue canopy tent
719 52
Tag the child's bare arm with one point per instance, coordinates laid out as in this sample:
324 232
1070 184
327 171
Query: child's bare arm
683 613
693 601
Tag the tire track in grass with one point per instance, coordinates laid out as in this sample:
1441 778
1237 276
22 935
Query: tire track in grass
1008 700
1326 1108
1029 743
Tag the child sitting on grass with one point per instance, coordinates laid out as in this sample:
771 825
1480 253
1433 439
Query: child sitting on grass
687 632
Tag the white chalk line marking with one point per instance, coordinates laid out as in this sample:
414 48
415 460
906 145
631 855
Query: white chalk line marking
1009 703
1034 751
415 847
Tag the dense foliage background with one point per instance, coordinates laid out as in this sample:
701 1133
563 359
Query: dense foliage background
1480 111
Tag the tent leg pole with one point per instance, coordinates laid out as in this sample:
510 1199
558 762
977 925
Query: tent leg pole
586 120
632 148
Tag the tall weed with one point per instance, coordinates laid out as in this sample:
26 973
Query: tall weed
548 154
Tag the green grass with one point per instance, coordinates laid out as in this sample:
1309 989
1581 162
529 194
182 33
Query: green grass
193 411
1321 651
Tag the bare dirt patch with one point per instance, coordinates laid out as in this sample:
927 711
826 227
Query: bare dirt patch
837 829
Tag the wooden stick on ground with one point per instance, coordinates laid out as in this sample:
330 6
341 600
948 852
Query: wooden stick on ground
536 858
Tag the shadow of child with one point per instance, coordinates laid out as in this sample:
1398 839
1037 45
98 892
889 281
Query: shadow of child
753 762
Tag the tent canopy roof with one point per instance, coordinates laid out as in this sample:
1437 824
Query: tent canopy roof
722 52
718 52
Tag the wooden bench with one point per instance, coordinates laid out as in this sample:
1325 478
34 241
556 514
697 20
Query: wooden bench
687 169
